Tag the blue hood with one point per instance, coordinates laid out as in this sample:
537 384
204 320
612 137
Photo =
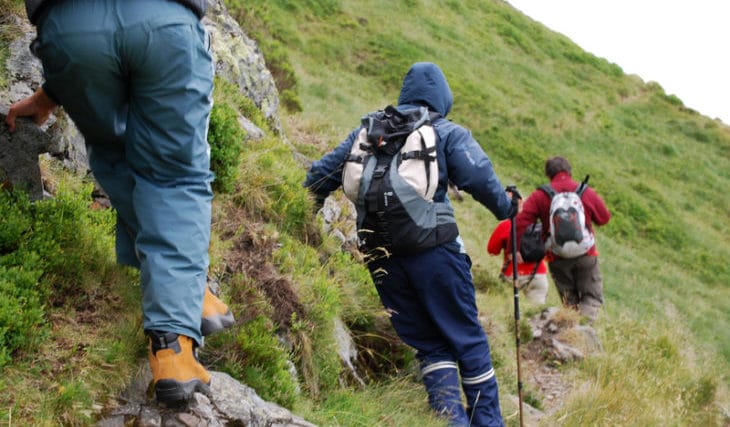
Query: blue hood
425 84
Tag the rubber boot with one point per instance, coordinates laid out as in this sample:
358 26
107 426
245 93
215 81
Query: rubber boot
444 393
216 315
482 400
176 371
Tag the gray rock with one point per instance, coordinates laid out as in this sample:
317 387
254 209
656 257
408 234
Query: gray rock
25 76
230 402
549 338
239 402
252 131
346 349
117 421
239 60
590 339
563 352
148 417
19 156
339 222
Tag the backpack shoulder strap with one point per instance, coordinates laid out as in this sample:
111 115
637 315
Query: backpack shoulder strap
547 189
433 116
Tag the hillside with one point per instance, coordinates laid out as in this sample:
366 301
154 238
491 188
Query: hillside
526 93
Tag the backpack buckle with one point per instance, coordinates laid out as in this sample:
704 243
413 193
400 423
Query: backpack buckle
379 171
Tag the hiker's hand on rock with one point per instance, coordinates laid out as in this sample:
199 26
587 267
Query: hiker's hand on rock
37 106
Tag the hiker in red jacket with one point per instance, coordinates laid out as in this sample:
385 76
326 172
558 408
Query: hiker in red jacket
577 279
531 276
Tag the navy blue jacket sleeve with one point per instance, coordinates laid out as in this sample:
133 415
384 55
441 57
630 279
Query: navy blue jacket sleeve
325 174
470 170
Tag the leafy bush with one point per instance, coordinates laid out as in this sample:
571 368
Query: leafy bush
21 311
50 251
225 137
15 223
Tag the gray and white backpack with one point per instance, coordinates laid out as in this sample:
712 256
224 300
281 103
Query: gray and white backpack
569 237
391 175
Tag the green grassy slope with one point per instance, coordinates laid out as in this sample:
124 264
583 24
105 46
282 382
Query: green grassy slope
528 93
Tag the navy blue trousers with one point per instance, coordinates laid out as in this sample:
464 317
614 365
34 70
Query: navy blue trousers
430 297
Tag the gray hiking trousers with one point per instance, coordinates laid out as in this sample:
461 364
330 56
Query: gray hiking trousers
579 283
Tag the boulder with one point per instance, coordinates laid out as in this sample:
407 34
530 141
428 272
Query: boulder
19 151
229 403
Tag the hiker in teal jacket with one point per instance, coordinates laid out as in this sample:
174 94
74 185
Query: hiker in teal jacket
136 77
429 292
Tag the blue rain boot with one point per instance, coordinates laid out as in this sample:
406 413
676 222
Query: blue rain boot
482 400
444 393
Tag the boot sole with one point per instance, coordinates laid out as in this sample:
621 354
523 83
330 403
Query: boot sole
213 324
171 393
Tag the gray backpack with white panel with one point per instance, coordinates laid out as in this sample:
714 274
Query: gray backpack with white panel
391 175
569 236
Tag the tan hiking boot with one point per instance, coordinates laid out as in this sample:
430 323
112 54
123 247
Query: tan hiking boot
176 371
216 315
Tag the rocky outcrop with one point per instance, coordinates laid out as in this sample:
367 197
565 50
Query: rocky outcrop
19 152
238 59
24 73
562 340
339 221
229 404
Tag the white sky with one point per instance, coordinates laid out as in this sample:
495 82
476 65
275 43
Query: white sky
684 45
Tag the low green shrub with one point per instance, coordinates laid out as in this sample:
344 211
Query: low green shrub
266 368
51 250
21 311
225 137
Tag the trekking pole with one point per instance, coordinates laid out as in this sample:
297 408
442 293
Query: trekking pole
517 307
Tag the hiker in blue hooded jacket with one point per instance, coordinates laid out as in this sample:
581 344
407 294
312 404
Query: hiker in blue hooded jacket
136 77
427 286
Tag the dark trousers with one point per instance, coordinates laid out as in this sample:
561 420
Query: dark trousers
431 299
579 283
